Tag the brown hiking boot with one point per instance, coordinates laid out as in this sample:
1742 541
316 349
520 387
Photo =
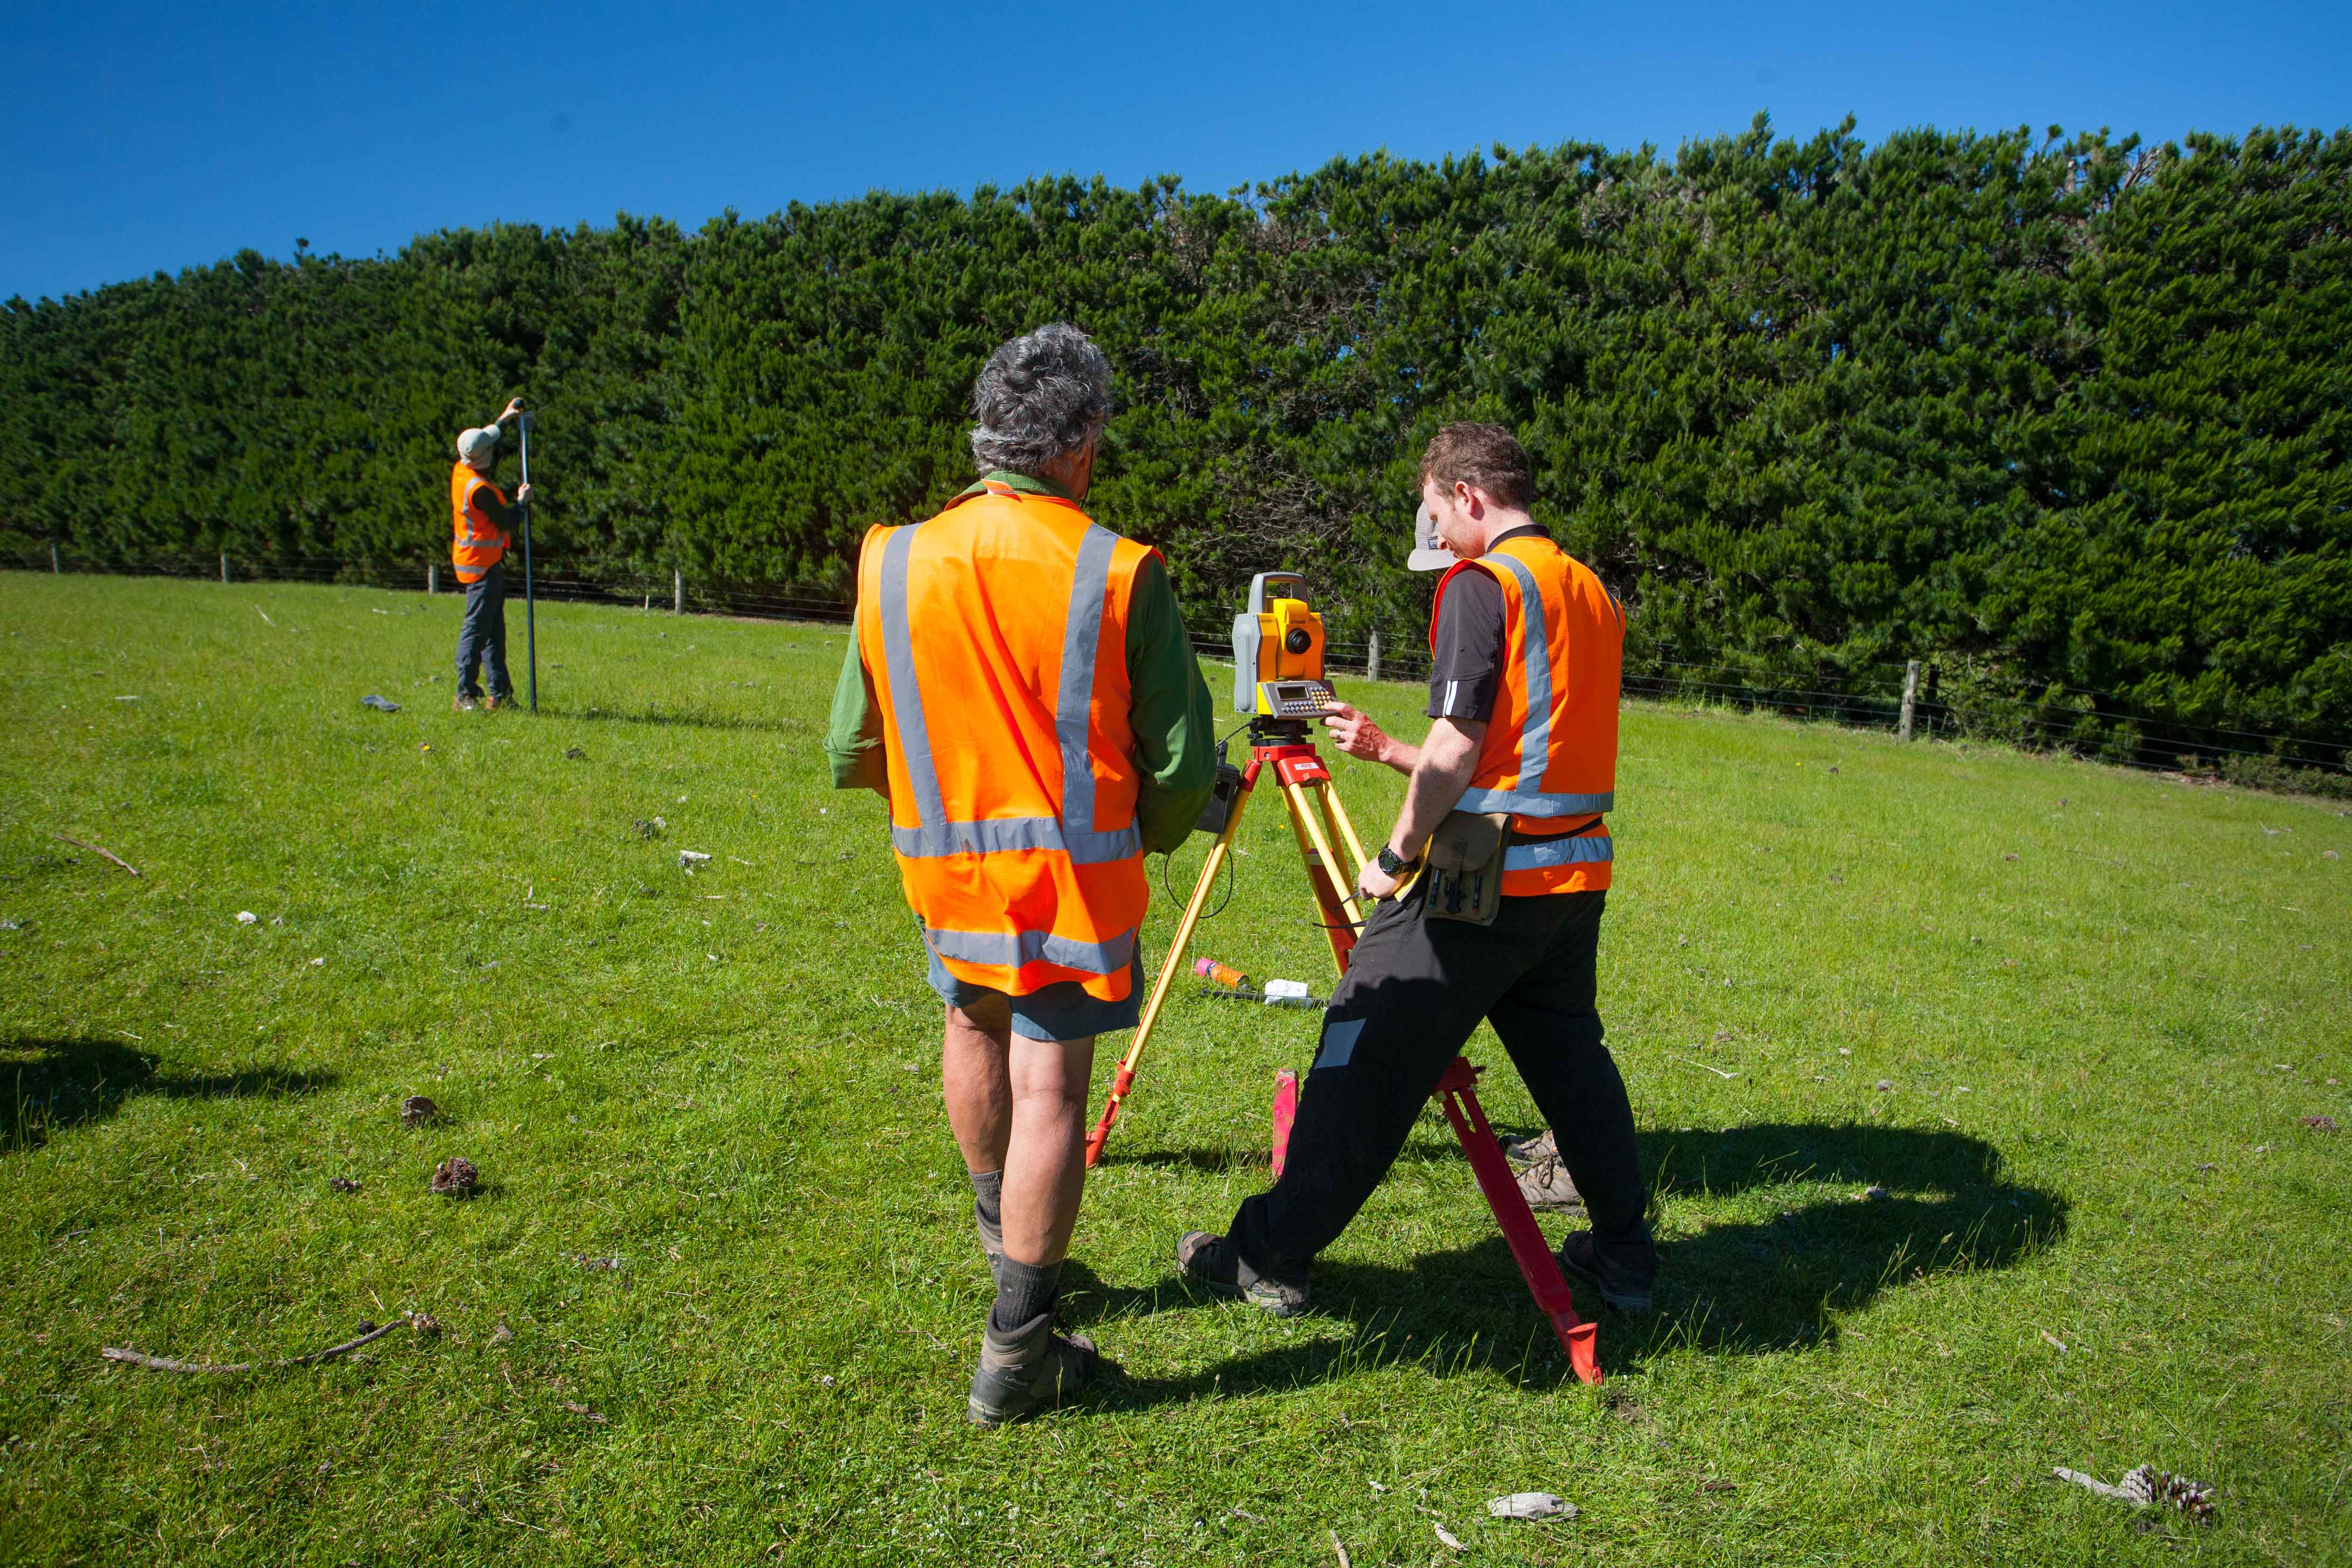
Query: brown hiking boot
1028 1370
1544 1182
461 703
493 702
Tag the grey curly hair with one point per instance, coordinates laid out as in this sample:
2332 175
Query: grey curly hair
1039 397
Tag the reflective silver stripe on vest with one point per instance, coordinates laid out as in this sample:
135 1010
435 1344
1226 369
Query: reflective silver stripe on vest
1016 950
1074 711
1529 803
1535 735
995 835
934 836
906 694
1559 852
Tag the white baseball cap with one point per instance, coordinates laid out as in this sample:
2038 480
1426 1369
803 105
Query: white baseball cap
1429 552
477 447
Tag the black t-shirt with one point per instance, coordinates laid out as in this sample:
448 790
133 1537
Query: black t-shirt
1466 663
502 514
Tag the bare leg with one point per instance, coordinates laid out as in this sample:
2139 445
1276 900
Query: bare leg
1044 1160
974 1080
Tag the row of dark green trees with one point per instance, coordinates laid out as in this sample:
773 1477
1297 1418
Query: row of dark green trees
2067 415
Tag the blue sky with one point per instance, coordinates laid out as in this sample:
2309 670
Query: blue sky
135 138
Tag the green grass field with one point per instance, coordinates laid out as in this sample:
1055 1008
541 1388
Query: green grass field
2069 1018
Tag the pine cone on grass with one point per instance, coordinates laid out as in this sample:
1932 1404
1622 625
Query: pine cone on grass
2162 1489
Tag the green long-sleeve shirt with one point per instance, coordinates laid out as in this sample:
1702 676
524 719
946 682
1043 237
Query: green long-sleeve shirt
1175 742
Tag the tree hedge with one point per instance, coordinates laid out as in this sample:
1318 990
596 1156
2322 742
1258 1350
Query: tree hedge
2067 414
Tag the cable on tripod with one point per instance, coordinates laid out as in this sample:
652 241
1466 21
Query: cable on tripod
1207 915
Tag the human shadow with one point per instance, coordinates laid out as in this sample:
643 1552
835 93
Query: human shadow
54 1084
1752 1287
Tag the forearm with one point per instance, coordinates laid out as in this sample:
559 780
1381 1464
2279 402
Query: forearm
1440 771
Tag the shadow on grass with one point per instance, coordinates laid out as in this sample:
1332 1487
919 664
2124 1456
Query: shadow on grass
56 1085
687 718
1756 1288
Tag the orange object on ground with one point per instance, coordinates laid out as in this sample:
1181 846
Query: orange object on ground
996 637
1223 973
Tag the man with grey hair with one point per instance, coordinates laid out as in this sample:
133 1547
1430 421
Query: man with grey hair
1020 689
482 525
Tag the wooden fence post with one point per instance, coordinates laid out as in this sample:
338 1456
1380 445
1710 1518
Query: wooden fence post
432 578
1372 661
53 557
677 592
224 565
1910 696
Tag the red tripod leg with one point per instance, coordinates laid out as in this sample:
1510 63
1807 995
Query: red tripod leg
1457 1091
1285 1112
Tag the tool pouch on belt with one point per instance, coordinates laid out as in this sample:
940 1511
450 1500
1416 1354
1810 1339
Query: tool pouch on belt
1465 868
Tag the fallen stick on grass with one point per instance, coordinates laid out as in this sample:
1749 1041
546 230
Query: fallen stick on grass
165 1363
95 850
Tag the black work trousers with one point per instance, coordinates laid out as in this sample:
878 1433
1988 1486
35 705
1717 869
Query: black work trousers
1414 990
482 639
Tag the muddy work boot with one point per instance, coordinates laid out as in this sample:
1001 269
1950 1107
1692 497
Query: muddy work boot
1623 1272
1028 1369
461 703
1214 1261
1544 1182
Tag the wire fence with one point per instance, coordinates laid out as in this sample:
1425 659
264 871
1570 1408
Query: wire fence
1951 699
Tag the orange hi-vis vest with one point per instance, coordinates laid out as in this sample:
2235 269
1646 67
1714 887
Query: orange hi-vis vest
995 633
476 543
1549 755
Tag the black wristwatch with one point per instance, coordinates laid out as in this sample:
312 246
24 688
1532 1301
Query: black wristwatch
1391 864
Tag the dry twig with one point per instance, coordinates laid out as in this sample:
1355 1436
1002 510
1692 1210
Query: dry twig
165 1363
95 850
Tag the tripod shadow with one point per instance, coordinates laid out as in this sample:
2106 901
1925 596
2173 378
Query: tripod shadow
1745 1287
54 1086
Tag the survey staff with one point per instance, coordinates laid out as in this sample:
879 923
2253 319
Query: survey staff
482 527
1020 688
1492 885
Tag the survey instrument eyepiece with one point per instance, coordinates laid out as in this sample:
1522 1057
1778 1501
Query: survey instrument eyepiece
1278 651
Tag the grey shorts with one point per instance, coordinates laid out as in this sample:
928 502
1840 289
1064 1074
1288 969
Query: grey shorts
1062 1011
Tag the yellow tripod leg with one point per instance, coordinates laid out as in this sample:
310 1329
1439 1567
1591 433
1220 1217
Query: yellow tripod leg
1337 812
1124 1080
1313 842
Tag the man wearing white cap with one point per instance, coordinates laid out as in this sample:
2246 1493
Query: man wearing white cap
481 525
1490 890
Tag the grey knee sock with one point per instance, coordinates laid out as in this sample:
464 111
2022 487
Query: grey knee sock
1024 1291
987 1196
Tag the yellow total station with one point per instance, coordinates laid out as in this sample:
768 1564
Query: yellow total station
1278 651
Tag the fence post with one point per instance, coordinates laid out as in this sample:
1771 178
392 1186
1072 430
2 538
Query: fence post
1910 696
432 578
53 557
1372 661
224 565
677 592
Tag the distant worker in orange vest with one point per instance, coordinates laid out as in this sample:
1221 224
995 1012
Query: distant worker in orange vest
1020 688
482 528
1518 767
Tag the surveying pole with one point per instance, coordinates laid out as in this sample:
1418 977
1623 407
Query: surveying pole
529 608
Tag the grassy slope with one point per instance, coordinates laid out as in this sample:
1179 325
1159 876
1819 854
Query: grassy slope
2096 1056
